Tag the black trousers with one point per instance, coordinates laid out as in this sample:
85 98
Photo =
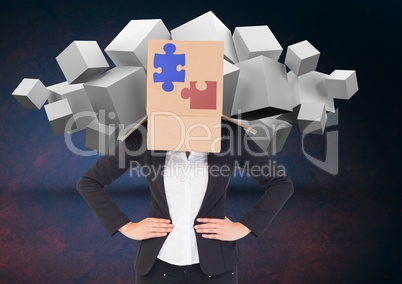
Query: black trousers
165 273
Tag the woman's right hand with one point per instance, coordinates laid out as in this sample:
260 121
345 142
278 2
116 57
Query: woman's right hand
147 228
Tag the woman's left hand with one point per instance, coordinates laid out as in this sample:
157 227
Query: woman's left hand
221 229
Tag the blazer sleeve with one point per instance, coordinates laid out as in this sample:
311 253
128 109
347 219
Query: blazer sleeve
92 185
278 188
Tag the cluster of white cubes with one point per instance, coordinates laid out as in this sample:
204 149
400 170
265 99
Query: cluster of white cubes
96 98
314 91
257 88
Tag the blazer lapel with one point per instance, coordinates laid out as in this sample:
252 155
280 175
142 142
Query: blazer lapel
213 161
158 161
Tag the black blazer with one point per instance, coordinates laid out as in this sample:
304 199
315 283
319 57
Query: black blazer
215 256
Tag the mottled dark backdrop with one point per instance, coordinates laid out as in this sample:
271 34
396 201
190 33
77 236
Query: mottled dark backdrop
335 229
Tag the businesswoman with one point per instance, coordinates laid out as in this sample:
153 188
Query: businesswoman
186 238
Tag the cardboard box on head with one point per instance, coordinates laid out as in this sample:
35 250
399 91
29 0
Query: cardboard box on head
184 95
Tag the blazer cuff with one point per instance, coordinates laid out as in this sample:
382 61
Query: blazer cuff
256 231
114 227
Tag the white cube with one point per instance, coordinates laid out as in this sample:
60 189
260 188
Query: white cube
118 96
312 89
342 84
130 46
78 100
60 116
101 137
254 41
312 118
230 78
302 57
81 61
262 89
31 94
204 28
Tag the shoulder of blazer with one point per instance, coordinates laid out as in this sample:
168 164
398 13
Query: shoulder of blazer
137 138
232 137
229 128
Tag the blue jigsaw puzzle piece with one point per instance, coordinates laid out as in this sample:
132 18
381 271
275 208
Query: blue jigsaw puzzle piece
169 62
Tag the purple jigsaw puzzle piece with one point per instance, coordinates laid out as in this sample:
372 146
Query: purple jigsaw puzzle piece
169 62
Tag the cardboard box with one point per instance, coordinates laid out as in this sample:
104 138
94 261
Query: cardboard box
184 95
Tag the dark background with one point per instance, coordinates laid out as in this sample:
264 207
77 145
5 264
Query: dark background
335 229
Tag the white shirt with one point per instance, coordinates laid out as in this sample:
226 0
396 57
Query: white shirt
185 181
